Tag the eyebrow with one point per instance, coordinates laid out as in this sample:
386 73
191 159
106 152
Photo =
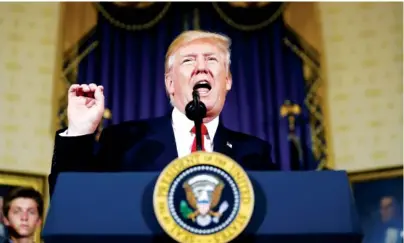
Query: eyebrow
19 208
194 54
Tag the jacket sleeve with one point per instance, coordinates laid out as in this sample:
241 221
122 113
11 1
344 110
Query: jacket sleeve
81 153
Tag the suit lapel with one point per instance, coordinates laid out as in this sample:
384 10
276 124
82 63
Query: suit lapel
163 132
222 143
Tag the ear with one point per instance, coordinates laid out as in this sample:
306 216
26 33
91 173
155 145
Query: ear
169 83
6 222
39 223
229 82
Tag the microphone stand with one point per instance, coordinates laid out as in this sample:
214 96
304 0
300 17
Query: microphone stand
196 111
198 121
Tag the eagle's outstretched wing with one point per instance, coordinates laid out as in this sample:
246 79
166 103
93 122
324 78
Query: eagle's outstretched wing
216 195
190 195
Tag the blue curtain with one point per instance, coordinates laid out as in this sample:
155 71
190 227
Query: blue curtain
266 73
130 66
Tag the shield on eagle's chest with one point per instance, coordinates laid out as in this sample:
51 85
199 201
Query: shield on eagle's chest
203 208
203 202
202 187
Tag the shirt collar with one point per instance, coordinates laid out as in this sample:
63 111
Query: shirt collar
182 124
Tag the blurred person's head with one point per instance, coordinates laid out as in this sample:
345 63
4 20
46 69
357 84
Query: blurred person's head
23 210
1 211
199 58
388 208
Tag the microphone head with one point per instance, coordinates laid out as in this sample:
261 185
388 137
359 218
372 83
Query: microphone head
195 112
196 109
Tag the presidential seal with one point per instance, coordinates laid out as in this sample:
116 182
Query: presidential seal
203 197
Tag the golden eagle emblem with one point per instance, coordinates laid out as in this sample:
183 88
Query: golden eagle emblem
203 194
203 197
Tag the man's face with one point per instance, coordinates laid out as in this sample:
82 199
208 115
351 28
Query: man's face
23 217
199 63
386 209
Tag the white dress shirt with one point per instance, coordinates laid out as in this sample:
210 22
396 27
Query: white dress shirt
184 138
392 235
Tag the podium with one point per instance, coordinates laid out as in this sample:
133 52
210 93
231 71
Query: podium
290 207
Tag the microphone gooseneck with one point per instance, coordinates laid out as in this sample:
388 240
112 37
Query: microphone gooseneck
195 110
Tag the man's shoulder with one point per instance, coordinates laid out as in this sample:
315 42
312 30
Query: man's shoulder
4 239
252 151
245 138
136 126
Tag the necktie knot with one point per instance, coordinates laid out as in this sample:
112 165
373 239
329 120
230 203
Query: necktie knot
204 130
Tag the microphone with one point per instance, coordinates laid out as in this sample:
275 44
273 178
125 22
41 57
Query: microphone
195 110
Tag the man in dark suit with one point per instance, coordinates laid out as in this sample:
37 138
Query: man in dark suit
389 227
3 232
195 60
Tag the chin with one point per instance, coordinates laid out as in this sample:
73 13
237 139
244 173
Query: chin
25 233
212 109
209 105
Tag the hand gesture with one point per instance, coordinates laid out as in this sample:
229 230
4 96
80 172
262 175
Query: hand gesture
85 108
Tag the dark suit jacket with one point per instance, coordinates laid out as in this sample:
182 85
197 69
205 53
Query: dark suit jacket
4 240
148 145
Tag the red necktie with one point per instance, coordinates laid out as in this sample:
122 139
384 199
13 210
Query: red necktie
204 131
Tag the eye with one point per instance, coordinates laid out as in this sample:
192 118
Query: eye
187 60
16 211
212 59
32 211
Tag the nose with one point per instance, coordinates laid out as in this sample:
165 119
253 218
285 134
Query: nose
201 65
24 216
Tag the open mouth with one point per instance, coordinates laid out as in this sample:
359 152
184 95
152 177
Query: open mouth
203 87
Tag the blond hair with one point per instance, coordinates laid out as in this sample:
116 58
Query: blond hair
223 43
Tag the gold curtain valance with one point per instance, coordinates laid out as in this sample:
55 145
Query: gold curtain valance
244 16
249 16
133 15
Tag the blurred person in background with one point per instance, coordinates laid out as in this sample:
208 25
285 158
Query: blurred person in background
389 227
23 210
2 227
